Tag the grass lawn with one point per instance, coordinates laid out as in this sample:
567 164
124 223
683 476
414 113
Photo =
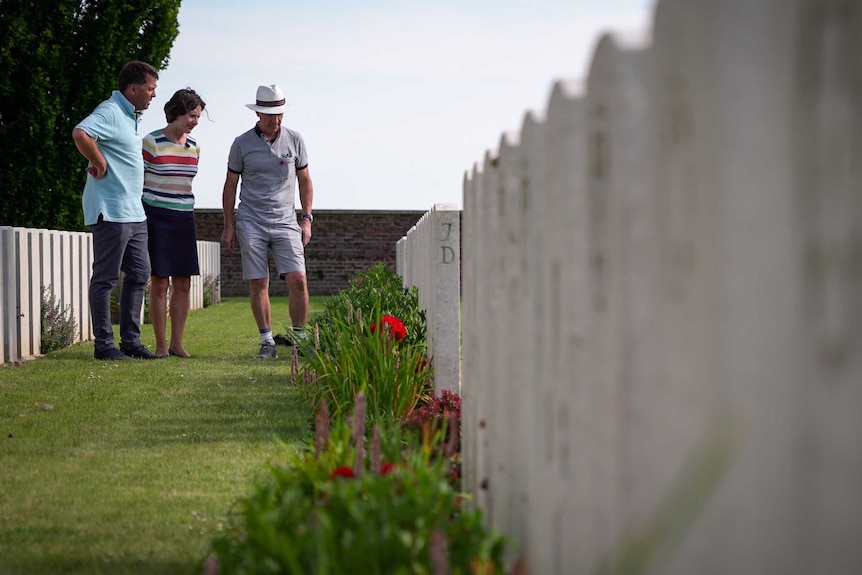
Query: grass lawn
130 467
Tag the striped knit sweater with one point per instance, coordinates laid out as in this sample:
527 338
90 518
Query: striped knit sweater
168 172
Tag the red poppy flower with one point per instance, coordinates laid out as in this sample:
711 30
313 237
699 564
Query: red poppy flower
387 468
396 326
342 472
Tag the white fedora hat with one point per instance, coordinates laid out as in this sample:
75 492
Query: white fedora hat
269 100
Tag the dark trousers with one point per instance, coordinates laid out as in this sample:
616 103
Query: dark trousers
118 247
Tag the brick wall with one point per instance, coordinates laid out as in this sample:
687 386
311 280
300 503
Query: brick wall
343 243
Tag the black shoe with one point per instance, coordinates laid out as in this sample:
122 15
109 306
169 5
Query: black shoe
140 352
282 340
110 354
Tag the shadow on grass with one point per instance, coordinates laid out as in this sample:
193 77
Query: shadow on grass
261 413
109 565
46 558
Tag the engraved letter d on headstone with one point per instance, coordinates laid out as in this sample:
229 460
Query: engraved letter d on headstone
448 254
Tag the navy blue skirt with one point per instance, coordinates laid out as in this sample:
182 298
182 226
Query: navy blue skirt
172 243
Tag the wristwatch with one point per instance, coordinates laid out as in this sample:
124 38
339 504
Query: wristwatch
308 217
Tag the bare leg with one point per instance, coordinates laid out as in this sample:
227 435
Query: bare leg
180 287
159 311
297 288
260 305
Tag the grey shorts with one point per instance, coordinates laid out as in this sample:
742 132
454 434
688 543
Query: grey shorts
256 240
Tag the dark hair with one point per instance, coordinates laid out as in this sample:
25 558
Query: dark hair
135 73
182 102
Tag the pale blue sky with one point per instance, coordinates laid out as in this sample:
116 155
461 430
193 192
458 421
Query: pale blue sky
395 100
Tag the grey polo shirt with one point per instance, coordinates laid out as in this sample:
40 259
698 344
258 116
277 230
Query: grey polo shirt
267 174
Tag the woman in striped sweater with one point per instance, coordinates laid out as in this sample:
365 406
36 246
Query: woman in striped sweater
170 164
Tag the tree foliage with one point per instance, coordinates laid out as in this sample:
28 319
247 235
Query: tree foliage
60 58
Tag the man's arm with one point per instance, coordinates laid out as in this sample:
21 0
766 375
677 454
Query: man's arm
89 149
228 199
306 198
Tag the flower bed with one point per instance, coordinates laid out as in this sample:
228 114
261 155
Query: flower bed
349 504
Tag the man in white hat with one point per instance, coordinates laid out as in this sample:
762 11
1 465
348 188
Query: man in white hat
269 159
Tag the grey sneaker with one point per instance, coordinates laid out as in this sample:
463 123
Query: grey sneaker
306 349
267 351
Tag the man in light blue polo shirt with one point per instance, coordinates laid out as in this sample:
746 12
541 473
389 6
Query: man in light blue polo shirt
109 139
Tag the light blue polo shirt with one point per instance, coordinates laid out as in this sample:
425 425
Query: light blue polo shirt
117 196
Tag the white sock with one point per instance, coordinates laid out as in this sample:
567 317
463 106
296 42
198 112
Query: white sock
266 336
